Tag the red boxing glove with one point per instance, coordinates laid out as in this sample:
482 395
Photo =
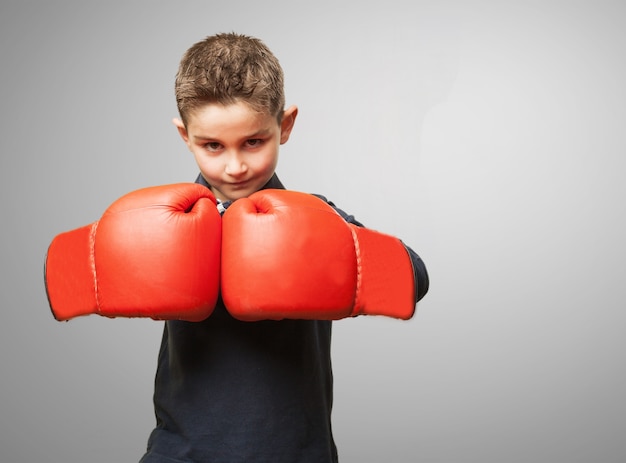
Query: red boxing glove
287 254
154 253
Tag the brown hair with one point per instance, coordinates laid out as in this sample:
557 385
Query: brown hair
228 68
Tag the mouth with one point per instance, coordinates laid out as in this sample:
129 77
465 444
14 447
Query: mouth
238 185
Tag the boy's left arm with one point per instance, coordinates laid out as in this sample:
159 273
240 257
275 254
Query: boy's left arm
292 255
420 274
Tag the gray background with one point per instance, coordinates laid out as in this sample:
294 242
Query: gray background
487 135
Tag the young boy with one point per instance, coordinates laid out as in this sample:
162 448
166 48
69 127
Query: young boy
228 390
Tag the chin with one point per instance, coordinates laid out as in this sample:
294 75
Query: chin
238 195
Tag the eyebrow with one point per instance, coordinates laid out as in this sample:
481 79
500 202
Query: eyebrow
257 134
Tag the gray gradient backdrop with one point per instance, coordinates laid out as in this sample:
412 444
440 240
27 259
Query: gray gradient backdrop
487 135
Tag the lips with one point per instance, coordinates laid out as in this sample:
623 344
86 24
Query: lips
238 185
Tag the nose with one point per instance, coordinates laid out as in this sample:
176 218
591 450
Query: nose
235 165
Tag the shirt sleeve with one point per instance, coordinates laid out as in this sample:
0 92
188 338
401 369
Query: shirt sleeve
420 274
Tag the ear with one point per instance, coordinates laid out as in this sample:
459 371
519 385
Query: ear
286 125
182 130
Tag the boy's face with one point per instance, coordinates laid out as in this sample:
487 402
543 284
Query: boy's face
235 147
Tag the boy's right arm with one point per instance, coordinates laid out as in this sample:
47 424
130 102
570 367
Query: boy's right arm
154 253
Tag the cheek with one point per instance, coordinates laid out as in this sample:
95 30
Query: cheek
209 167
267 169
267 162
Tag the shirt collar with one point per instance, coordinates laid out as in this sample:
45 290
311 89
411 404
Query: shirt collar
273 183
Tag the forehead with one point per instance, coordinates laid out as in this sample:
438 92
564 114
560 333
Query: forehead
215 120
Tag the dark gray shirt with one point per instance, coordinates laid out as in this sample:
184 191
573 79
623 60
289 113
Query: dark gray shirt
231 391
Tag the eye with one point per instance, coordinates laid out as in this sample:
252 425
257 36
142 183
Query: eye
254 142
213 146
